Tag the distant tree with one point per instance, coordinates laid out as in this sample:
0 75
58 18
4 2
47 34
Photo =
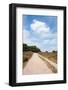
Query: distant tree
54 51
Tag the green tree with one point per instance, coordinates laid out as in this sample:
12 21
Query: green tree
30 48
54 51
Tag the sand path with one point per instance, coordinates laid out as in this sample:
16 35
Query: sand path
36 66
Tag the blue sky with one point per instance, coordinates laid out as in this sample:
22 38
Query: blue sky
40 31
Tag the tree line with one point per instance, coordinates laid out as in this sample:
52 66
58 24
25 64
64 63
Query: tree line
30 48
34 49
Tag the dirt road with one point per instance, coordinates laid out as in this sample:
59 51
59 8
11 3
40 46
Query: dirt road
36 66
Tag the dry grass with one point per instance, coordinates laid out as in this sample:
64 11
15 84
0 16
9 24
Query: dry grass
50 55
53 56
54 70
26 56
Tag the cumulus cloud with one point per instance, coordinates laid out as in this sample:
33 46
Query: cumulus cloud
39 26
41 36
42 29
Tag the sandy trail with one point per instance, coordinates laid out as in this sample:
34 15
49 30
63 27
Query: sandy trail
36 66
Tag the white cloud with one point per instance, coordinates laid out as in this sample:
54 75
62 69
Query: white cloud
41 36
49 35
42 29
39 26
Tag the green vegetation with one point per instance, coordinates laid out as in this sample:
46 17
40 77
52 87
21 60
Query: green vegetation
27 53
30 48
